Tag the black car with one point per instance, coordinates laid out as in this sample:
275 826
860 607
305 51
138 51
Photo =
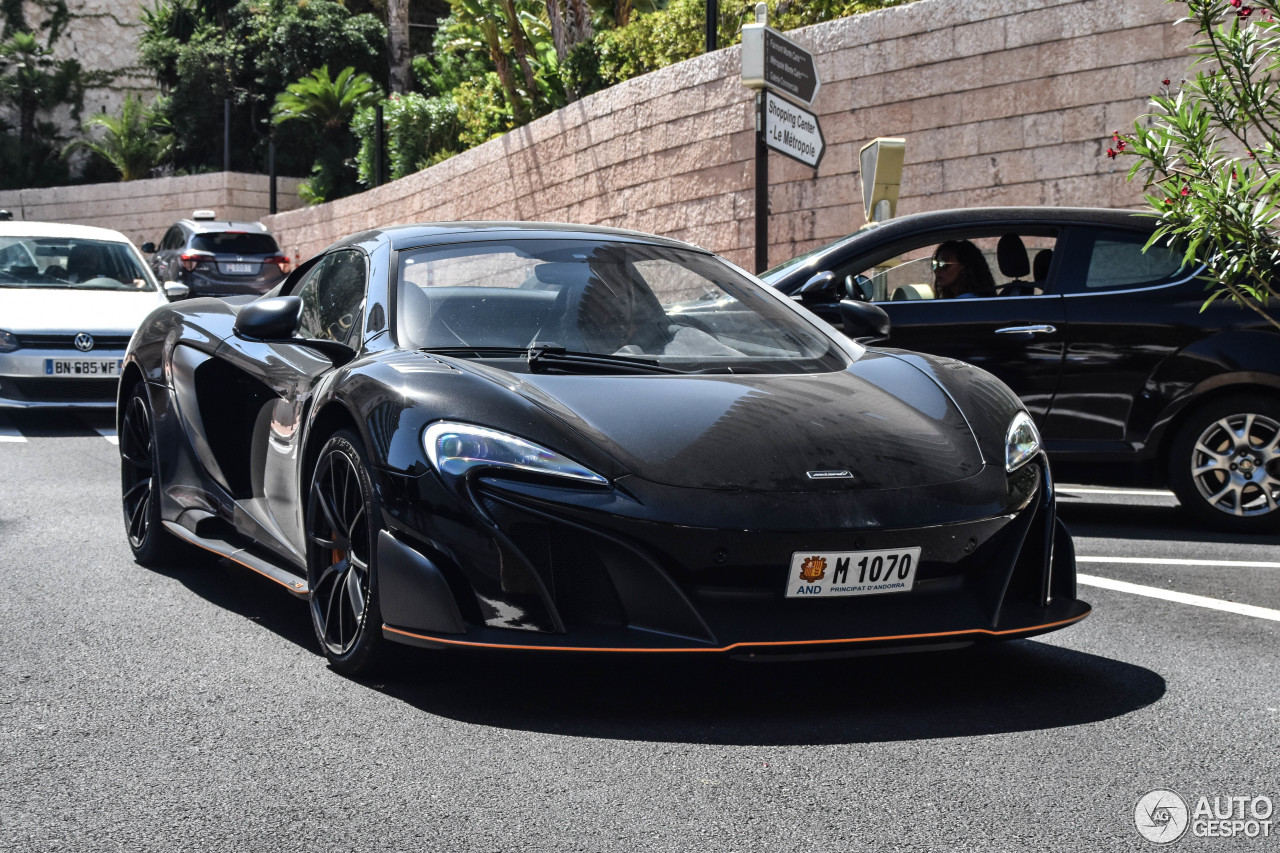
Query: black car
1130 382
219 258
542 437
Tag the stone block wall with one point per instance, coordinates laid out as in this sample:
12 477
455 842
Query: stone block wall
144 210
1002 102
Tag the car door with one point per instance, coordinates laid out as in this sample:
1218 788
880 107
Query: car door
1017 335
279 382
163 260
1128 309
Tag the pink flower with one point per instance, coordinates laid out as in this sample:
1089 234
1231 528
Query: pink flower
1235 3
1245 12
1111 153
1164 82
1186 191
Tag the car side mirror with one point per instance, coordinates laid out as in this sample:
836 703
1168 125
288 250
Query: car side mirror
859 287
864 321
148 248
176 290
275 319
821 288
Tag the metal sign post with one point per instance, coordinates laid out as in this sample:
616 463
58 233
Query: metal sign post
762 188
778 69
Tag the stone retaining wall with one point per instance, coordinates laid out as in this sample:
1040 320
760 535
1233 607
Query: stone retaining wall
144 210
1001 102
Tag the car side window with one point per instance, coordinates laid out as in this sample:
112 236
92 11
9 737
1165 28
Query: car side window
1005 263
332 297
1117 259
172 238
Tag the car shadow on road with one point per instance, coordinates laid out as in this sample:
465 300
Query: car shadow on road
1162 523
234 588
1021 685
38 423
1015 686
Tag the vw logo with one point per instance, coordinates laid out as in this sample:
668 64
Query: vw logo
84 342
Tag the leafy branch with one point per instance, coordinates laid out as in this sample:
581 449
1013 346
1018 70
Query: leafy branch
1209 153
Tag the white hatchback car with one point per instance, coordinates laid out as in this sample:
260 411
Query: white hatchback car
70 298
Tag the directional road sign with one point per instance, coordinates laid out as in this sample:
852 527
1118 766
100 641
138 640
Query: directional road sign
792 131
772 61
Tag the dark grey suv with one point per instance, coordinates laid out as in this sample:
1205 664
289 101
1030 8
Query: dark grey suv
219 258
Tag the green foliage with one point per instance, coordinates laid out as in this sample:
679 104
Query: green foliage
134 143
1209 153
205 51
482 114
32 85
676 32
327 105
419 131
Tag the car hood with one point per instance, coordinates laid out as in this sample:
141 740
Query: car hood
46 310
882 423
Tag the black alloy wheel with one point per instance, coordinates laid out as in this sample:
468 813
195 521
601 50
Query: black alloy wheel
140 483
1225 464
343 519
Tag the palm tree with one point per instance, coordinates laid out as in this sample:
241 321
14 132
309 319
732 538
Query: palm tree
134 142
328 104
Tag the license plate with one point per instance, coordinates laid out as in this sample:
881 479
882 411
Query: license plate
83 367
823 574
240 269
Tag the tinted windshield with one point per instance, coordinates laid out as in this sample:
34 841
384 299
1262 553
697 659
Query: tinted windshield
235 243
49 262
679 307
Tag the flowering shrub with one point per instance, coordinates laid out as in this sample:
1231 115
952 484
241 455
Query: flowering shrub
1209 153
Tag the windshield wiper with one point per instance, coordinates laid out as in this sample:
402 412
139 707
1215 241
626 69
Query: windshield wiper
543 358
546 357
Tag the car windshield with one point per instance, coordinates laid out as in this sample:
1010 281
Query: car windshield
235 243
673 307
70 263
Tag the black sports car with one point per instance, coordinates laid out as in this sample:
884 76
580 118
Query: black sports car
1104 339
557 437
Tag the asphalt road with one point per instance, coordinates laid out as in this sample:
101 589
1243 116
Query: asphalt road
187 709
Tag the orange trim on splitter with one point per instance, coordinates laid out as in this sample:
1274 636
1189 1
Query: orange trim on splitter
731 647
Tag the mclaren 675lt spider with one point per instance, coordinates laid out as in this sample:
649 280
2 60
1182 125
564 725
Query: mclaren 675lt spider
545 437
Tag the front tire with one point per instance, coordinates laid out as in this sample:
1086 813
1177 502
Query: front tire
1225 464
140 483
342 524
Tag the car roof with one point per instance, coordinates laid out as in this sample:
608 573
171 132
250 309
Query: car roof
906 227
60 230
935 219
417 234
204 225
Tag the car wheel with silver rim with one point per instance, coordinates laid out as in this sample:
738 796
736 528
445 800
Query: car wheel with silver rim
1225 463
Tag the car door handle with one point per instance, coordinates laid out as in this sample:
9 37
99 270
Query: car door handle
1046 329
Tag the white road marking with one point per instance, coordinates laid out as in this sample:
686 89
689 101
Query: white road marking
1175 561
108 433
1150 493
1181 597
9 432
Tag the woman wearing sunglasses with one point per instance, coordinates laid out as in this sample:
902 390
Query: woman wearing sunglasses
960 271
